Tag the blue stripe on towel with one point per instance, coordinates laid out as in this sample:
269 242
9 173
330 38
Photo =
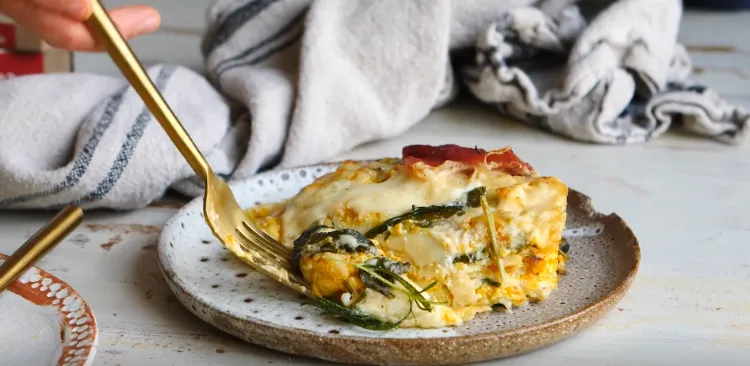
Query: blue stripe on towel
222 66
82 161
128 147
264 56
234 21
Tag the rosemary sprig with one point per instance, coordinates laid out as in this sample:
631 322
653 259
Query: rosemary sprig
493 237
378 269
383 270
428 287
354 316
384 288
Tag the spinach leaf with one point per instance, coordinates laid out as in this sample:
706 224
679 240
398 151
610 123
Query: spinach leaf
499 307
324 239
491 282
564 245
474 197
425 215
469 257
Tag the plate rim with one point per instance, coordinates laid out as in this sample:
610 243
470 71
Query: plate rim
94 341
605 303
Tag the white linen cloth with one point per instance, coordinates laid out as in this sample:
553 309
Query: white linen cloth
292 82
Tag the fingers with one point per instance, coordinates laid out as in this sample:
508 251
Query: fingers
61 24
58 30
78 10
135 20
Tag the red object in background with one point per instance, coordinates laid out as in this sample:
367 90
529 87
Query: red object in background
14 64
23 53
18 64
13 37
7 36
436 155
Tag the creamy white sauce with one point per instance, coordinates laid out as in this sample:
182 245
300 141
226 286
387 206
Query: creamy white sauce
390 198
348 241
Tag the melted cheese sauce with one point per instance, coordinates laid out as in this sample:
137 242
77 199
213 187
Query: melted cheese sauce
528 213
366 201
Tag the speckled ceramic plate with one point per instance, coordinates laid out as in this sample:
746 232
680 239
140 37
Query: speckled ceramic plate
43 322
224 292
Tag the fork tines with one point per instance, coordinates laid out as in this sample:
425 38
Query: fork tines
266 252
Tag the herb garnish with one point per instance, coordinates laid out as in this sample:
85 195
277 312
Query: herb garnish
491 282
378 269
493 236
382 274
564 255
564 245
378 274
499 307
474 197
324 239
425 216
469 257
354 316
396 268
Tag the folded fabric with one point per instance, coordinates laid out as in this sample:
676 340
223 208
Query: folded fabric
620 79
292 82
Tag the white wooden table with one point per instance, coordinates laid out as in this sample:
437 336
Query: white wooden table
686 199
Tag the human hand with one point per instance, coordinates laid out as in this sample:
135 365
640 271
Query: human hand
60 22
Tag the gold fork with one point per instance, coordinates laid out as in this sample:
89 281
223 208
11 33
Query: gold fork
39 244
223 214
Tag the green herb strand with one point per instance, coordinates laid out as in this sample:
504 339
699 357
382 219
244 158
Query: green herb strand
493 237
380 272
424 214
354 316
468 258
491 282
427 215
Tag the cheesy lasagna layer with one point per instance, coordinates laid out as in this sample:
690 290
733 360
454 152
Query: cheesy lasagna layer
428 240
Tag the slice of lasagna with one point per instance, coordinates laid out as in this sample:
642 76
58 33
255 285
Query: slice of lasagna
427 240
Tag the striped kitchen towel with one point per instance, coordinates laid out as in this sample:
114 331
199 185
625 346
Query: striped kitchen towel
292 82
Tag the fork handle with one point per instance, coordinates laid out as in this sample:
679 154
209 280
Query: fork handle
107 33
39 244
